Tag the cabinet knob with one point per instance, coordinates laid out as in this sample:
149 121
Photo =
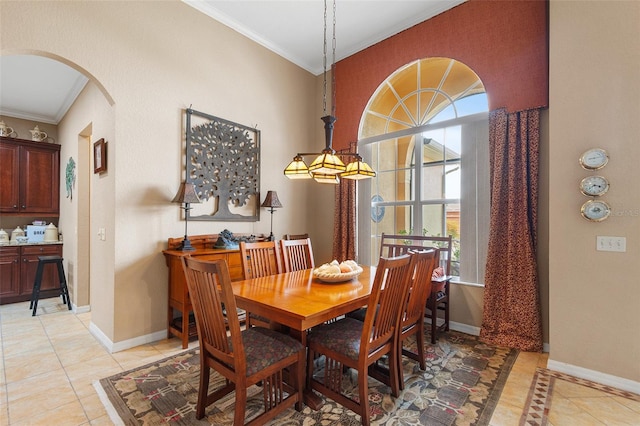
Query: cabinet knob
24 207
15 206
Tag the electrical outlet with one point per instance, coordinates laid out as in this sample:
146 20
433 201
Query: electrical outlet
611 244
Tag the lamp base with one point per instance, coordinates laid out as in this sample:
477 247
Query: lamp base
185 246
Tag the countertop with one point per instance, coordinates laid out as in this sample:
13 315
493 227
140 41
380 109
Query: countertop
42 243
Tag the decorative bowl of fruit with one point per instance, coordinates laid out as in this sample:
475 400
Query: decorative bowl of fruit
336 272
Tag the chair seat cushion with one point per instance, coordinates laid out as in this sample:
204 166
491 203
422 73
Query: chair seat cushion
342 336
263 347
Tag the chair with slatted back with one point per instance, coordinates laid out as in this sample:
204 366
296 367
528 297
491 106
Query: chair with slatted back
296 236
297 254
349 343
394 245
412 316
244 358
259 259
412 319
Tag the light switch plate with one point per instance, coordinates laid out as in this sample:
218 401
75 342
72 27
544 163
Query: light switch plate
611 244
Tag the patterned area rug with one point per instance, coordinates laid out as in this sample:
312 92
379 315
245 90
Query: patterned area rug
461 386
538 404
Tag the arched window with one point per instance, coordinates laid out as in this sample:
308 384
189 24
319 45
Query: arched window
433 110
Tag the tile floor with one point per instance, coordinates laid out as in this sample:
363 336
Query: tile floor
48 364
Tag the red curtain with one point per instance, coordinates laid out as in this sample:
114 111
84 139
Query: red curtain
344 217
511 314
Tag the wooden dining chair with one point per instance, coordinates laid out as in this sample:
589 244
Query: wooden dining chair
349 343
412 317
259 259
297 254
296 236
243 358
438 301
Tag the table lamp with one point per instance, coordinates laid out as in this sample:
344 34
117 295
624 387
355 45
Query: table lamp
186 195
271 201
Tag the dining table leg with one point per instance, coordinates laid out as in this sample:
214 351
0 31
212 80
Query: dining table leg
311 399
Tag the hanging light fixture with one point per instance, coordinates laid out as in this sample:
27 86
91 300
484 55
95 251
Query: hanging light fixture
328 166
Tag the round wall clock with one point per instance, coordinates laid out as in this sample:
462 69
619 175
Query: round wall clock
595 210
594 159
594 186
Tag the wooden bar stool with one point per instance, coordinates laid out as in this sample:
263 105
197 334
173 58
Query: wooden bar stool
64 291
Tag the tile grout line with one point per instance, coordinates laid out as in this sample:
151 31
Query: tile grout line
65 369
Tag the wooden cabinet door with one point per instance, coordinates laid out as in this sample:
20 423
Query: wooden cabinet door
9 178
40 177
29 177
29 267
9 273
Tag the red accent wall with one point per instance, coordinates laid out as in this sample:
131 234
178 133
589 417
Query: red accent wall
504 42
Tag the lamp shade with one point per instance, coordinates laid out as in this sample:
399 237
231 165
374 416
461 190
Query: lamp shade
186 194
297 169
358 170
327 163
325 178
271 200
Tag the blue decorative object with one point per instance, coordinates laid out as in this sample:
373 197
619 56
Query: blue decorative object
226 240
377 212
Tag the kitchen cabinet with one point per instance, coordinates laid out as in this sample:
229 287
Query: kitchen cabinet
29 178
18 264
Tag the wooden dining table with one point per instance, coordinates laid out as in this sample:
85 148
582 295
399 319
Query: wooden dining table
300 301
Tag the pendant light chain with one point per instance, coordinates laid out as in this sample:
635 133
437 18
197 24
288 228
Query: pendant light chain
324 62
333 64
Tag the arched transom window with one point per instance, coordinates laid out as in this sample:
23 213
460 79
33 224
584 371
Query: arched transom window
434 110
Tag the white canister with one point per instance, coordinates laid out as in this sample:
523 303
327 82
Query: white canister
50 233
4 237
18 232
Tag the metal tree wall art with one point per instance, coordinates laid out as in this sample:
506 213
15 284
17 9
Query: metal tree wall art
223 161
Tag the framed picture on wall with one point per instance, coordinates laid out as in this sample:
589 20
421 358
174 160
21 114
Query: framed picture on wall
100 156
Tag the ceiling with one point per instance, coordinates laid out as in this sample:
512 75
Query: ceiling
41 89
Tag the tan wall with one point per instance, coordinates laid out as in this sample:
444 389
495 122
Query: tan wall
90 118
594 296
153 60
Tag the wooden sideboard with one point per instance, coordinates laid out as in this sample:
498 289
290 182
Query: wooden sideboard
178 292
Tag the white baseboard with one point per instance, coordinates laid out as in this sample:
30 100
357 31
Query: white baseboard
125 344
81 309
595 376
464 328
